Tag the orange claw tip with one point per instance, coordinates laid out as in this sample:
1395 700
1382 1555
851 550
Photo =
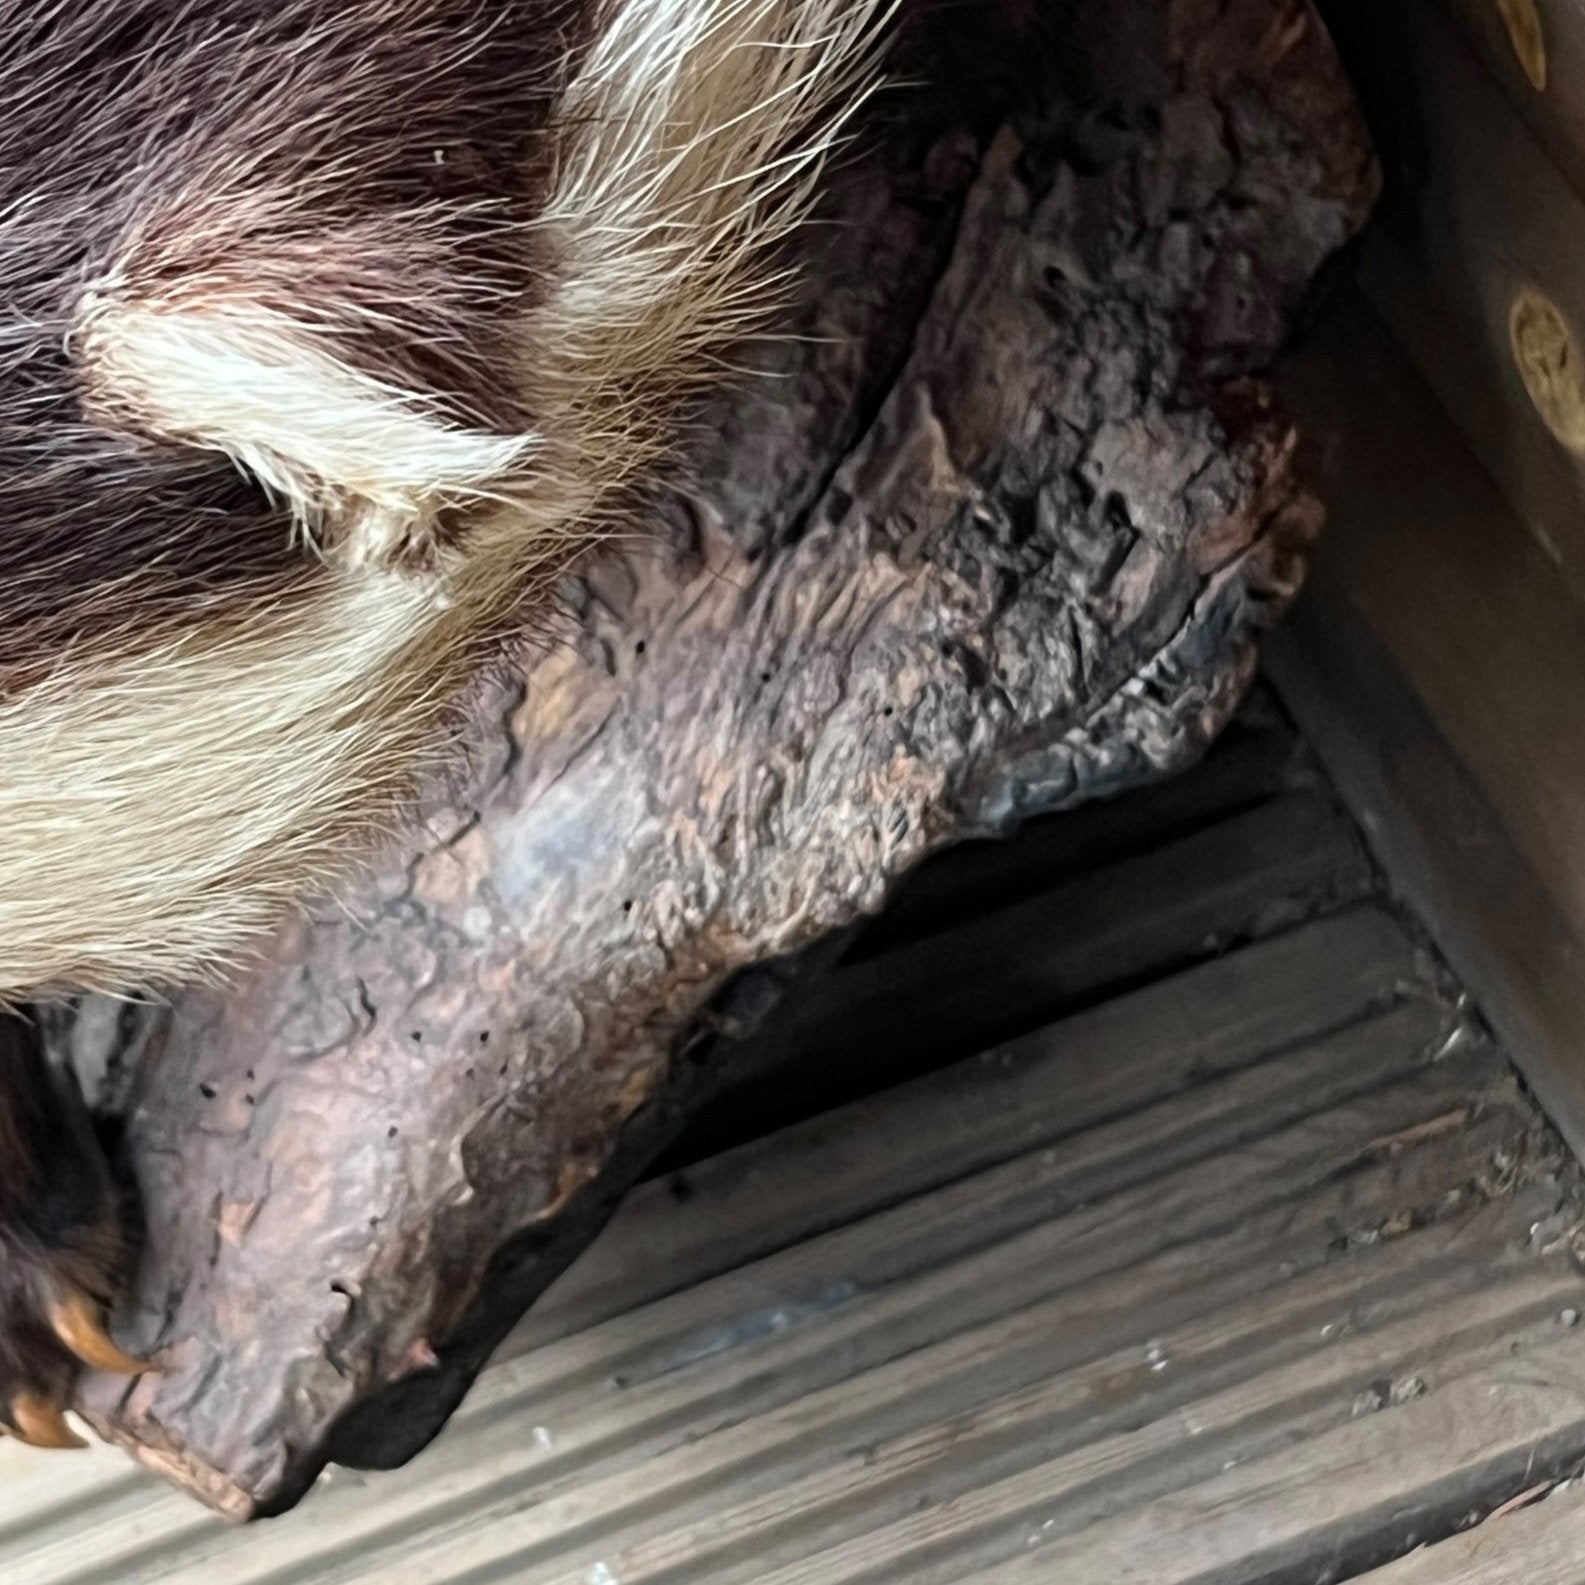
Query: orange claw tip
79 1324
40 1423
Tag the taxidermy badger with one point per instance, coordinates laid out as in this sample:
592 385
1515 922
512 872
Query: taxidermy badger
330 331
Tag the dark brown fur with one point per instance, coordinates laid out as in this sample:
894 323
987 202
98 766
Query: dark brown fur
435 272
145 119
62 1222
391 138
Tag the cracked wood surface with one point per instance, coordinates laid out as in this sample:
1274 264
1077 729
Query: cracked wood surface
994 535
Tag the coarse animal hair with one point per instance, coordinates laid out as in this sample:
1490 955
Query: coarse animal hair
334 332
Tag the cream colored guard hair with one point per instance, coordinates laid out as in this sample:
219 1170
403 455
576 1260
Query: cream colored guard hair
162 798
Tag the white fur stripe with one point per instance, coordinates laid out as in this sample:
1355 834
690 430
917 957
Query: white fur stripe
164 796
330 443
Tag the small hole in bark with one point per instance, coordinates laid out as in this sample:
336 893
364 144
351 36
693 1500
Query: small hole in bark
638 648
418 1037
250 1100
888 711
250 1073
342 1289
484 1037
764 676
504 1067
1023 518
391 1132
208 1091
627 907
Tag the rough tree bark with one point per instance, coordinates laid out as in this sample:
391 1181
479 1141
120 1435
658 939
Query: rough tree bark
995 536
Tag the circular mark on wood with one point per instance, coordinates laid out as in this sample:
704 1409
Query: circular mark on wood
1528 37
1548 354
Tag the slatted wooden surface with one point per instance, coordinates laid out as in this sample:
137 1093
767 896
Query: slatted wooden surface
1542 1544
1238 1255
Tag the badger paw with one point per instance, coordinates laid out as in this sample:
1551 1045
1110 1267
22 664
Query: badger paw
63 1244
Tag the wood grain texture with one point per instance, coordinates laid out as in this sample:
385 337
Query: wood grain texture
1435 660
1500 1427
1128 1052
877 1020
1251 1256
1254 760
996 536
1540 1545
1535 49
1475 214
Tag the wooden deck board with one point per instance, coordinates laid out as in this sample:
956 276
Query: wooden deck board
994 976
1123 1054
1540 1545
1319 1507
1257 1247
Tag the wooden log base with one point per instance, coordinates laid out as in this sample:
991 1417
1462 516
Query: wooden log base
993 533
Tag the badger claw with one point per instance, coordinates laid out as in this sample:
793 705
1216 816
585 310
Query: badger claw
79 1326
34 1419
63 1250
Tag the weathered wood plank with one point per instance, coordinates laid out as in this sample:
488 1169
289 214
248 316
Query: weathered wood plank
1475 217
935 1309
494 1456
1032 1092
1536 51
1230 1389
791 1329
1021 1231
1143 1468
1470 773
1540 1545
948 995
733 1366
1328 1503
